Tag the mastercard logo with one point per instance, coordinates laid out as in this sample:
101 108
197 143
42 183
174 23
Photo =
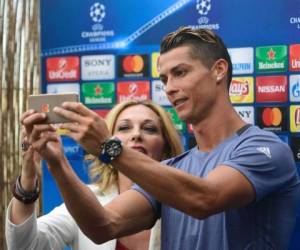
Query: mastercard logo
272 116
133 64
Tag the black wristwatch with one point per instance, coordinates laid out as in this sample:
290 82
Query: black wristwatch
110 150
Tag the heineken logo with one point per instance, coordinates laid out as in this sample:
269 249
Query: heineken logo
271 54
271 58
274 65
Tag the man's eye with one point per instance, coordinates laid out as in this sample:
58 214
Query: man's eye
163 80
179 73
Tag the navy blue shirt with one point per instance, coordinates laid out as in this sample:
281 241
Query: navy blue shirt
267 223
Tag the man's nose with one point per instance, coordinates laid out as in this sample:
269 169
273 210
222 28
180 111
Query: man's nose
170 88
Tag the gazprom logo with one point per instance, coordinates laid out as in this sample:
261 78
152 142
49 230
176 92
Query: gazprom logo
296 90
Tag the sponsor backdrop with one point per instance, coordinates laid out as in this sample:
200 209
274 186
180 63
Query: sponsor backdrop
106 51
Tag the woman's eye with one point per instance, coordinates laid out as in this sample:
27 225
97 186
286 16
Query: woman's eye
151 129
123 128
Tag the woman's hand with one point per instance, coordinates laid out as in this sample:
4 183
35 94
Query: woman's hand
30 158
42 138
87 128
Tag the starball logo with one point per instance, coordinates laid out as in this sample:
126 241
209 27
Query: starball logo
98 13
203 8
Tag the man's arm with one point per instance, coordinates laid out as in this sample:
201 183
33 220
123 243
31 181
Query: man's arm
223 188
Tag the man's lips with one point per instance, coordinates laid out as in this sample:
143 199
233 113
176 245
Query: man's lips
178 102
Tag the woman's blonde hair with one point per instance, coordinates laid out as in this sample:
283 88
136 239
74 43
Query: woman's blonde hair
105 176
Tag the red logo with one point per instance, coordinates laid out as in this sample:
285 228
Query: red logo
45 108
271 54
137 90
133 64
98 90
271 117
62 69
294 57
271 89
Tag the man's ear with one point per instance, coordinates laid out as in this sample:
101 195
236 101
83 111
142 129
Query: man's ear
220 69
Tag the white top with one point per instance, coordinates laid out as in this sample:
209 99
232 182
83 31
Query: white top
58 229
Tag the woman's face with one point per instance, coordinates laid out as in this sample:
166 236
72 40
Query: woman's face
140 128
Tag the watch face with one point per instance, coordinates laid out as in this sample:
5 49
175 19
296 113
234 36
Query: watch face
113 148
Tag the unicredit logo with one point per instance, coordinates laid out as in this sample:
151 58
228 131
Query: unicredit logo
271 116
62 74
239 88
62 68
133 64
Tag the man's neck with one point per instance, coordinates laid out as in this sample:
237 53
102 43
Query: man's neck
216 128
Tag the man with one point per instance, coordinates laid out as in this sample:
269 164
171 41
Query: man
238 189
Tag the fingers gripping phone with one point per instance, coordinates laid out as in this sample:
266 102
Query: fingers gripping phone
46 102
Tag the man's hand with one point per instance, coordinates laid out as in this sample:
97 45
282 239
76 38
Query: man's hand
87 128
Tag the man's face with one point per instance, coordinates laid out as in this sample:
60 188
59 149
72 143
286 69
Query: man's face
188 83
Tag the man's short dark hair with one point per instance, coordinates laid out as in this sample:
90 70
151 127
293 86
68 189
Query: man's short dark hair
205 44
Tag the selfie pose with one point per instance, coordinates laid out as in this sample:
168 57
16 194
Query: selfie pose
142 126
238 188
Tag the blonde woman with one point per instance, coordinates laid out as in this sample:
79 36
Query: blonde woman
143 126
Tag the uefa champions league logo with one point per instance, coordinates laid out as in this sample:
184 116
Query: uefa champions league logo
96 34
97 12
203 6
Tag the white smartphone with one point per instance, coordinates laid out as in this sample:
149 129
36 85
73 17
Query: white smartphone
46 102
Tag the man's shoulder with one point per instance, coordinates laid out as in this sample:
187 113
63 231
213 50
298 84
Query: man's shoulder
176 159
256 134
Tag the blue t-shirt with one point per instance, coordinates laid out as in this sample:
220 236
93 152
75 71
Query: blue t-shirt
267 223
